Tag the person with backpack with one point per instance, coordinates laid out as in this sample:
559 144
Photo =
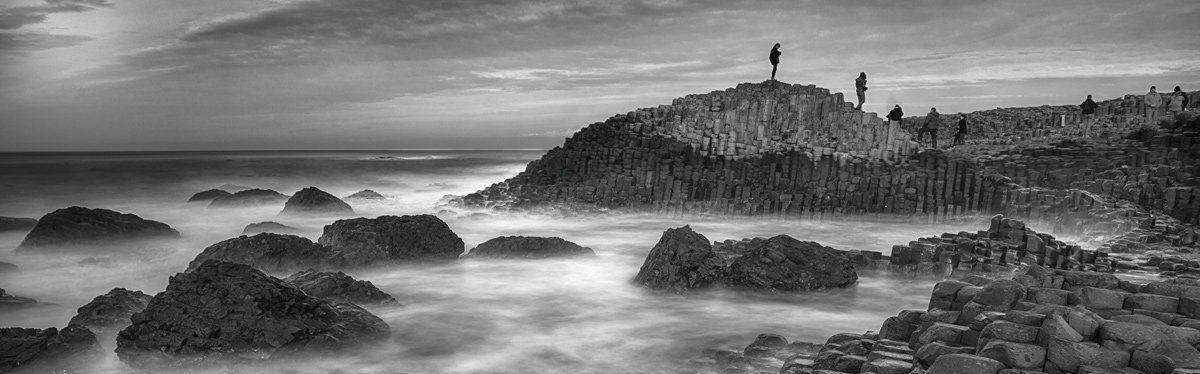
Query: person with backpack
860 87
1177 101
932 123
1088 109
962 130
896 115
774 57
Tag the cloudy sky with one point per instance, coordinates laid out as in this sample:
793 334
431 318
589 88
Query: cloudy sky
424 74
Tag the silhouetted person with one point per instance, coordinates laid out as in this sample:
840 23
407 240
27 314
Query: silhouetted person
860 87
1186 99
933 121
1175 103
775 59
1153 101
1088 109
896 115
962 130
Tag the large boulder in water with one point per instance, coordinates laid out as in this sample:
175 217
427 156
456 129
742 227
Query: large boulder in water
269 226
223 312
391 239
16 224
47 350
366 195
529 247
312 200
275 253
682 260
251 197
209 195
111 310
783 263
339 287
83 226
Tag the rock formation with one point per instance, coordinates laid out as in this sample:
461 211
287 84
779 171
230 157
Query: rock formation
209 195
314 201
528 247
786 264
46 350
274 253
366 195
223 312
16 224
391 239
682 260
339 287
8 301
269 226
83 226
250 197
110 311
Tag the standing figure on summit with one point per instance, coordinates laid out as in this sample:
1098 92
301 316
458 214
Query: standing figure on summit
896 115
775 59
860 87
1153 101
962 130
933 121
1176 102
1088 109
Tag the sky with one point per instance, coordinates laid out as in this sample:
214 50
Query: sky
127 75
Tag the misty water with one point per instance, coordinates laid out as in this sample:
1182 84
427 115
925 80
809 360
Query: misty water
577 315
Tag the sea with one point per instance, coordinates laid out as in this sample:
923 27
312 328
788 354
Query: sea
577 315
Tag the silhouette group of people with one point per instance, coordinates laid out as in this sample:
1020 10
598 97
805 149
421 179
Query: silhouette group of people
1153 101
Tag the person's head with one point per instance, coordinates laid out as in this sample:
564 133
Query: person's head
897 106
776 46
1152 88
962 115
1089 97
1177 89
862 74
932 109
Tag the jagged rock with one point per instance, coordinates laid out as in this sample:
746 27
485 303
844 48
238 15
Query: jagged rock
269 252
366 195
528 247
960 363
209 195
249 197
682 260
223 312
83 226
312 200
16 224
110 310
339 287
46 350
8 301
371 241
269 226
783 263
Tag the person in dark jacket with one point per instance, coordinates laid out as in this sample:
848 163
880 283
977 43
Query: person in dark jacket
1186 99
860 87
775 59
962 130
896 115
933 121
1088 109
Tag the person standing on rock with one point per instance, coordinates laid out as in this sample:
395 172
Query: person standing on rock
962 130
933 121
775 59
860 87
896 115
1186 99
1088 109
1176 102
1153 101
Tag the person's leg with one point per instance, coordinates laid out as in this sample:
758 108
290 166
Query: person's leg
862 97
773 68
933 134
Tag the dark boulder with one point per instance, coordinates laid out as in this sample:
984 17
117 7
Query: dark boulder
783 263
224 312
16 224
682 260
250 197
269 226
371 241
339 287
269 252
8 301
47 350
312 200
78 225
209 195
366 195
529 247
111 310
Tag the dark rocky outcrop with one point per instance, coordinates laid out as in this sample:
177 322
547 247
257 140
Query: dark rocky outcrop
111 310
209 195
275 253
223 312
46 350
786 264
250 197
339 287
366 195
16 224
391 239
312 200
269 226
528 247
8 301
682 260
78 225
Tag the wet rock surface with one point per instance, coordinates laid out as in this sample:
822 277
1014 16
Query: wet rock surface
223 312
682 260
528 247
312 200
391 239
46 350
16 224
251 197
269 226
82 226
110 311
339 287
270 252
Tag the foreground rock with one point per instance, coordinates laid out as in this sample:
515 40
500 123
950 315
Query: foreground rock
274 253
209 195
366 195
111 310
339 287
269 226
529 247
785 264
16 224
682 260
46 350
250 197
312 200
8 301
223 312
391 239
83 226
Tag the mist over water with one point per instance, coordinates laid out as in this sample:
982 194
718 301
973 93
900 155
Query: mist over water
474 316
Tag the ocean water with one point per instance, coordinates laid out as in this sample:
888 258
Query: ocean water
474 316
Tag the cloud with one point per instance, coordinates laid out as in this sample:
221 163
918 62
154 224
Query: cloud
14 18
38 41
